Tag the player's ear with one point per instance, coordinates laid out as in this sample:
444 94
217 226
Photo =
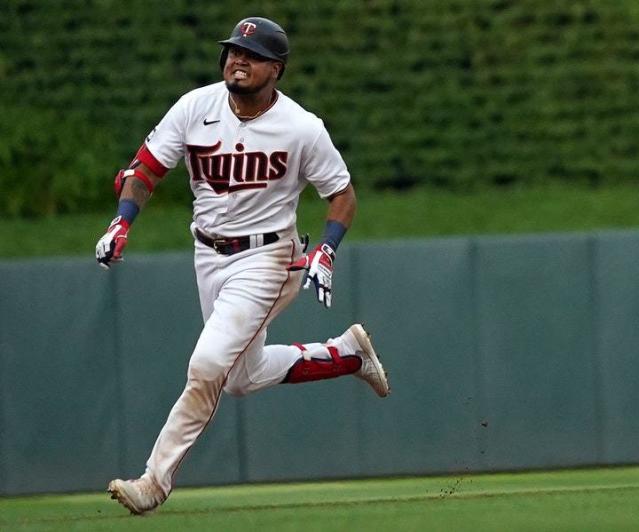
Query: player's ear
277 68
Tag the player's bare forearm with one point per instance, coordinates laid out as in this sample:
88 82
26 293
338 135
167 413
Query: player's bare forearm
342 206
135 190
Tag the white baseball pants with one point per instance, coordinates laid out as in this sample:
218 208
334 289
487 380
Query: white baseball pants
239 294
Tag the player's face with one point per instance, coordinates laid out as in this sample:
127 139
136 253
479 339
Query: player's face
246 72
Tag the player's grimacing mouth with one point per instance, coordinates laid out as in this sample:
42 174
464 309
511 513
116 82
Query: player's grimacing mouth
239 74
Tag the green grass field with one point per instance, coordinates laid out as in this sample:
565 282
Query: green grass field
583 500
419 212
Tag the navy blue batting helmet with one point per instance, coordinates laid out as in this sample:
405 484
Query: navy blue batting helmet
261 36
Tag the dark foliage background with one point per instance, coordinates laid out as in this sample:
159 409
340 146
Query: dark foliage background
457 94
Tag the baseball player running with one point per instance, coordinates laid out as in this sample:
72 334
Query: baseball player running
250 151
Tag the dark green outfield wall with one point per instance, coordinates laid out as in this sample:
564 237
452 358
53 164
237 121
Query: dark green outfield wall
503 353
452 93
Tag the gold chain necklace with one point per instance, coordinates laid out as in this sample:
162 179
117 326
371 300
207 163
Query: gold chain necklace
236 109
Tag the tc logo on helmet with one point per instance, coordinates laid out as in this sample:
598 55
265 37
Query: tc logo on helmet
248 28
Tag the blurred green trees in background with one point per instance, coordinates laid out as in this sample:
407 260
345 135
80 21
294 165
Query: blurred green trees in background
458 94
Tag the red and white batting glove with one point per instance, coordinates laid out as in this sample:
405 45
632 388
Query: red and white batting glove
110 246
319 269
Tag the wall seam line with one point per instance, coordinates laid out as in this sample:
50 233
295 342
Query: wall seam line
355 313
3 439
599 417
478 366
118 345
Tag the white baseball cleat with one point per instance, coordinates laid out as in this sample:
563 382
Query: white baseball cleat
372 370
139 495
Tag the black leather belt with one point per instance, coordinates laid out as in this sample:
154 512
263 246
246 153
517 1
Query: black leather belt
232 245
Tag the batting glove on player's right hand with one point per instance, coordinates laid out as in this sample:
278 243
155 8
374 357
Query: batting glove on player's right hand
319 269
110 246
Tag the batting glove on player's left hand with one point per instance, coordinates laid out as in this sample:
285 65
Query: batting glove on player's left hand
110 246
319 269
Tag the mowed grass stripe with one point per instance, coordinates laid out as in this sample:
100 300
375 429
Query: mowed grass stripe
335 503
408 498
418 213
207 501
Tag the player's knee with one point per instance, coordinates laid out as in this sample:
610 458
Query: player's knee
236 382
234 389
204 366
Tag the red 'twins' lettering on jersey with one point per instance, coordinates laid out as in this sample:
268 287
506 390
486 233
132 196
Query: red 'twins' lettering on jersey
252 169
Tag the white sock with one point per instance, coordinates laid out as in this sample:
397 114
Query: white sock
346 344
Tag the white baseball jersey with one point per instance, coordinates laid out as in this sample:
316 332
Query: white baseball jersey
247 176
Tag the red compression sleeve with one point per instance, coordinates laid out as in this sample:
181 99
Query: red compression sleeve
145 156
